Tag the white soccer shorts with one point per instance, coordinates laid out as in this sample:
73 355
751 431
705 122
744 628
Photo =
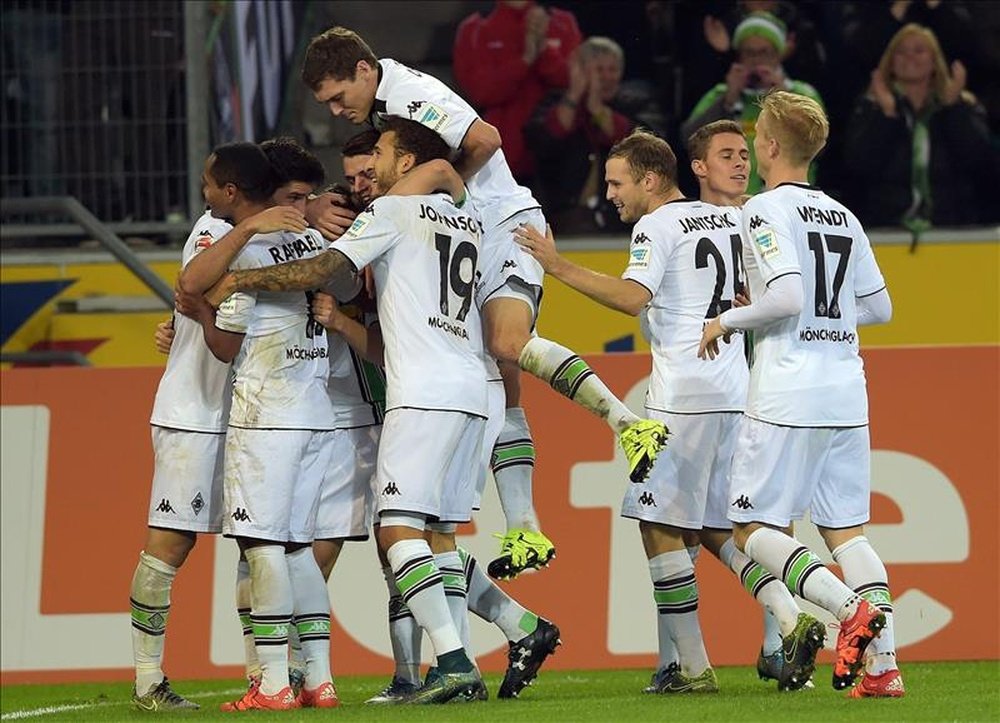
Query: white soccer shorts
508 271
346 499
496 399
689 483
780 472
272 482
428 462
187 480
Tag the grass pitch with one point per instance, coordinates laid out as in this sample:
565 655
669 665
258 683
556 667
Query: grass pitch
935 692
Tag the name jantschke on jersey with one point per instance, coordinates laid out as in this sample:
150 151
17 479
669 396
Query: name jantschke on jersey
687 254
798 229
282 367
194 391
423 252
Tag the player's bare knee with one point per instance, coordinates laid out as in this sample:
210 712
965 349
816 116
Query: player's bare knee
740 535
834 538
170 546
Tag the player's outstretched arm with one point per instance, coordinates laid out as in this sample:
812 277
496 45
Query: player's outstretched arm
435 175
478 146
624 295
329 269
366 341
225 345
210 264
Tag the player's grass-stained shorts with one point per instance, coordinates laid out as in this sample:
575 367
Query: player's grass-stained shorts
346 499
780 472
688 486
428 462
507 270
272 482
496 399
187 480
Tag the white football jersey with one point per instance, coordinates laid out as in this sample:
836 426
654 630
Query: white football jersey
356 386
807 371
411 94
281 370
687 254
194 391
423 252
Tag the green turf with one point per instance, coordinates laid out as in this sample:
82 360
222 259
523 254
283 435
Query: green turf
935 692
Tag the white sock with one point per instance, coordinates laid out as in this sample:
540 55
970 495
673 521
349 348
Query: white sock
150 601
676 594
493 605
312 615
865 572
251 661
421 588
693 553
453 578
404 633
271 613
513 464
780 608
801 571
569 375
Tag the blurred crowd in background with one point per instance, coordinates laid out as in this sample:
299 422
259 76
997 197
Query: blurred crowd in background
912 88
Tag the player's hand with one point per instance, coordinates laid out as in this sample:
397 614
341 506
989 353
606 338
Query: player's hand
742 298
325 311
191 305
222 290
881 93
329 214
736 81
542 248
956 83
163 339
708 348
278 218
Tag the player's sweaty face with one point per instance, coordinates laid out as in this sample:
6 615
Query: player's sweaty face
351 99
357 177
215 195
384 164
293 193
728 163
623 191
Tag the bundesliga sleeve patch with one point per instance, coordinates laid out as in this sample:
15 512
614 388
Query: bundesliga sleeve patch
428 114
767 243
359 225
638 258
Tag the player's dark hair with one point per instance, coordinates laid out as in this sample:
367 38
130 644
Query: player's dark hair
292 162
646 152
247 167
335 54
699 141
361 144
412 137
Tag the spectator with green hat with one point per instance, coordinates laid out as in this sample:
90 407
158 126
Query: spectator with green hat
760 41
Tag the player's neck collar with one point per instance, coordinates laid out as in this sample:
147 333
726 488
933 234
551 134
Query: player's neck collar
799 184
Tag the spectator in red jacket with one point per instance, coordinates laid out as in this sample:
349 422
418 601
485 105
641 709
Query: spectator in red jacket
573 130
506 63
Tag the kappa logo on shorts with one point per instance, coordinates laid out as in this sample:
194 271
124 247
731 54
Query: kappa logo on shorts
197 504
165 506
240 515
743 502
509 264
646 498
391 489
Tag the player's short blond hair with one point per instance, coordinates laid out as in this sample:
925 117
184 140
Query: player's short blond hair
797 122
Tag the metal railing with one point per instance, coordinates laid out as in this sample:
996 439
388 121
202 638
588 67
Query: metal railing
118 248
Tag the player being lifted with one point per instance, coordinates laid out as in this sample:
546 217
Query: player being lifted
804 441
344 73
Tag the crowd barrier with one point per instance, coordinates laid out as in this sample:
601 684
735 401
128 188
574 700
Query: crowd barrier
75 482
